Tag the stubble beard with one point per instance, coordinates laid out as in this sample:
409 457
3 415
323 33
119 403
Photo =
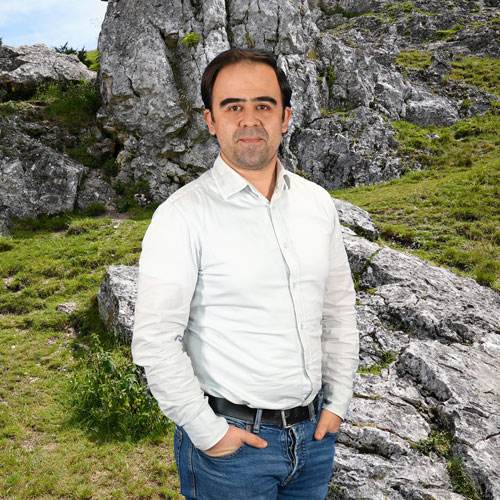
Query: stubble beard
252 156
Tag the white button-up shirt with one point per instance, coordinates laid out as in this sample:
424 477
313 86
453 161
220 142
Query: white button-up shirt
246 299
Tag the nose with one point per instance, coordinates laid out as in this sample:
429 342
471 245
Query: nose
249 118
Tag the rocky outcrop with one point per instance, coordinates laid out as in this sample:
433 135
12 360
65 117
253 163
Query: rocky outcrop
37 177
116 298
340 57
357 219
429 384
24 68
34 179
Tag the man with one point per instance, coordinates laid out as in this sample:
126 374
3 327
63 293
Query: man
246 304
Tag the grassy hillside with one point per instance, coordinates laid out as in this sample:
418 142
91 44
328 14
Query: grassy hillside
67 389
52 446
448 212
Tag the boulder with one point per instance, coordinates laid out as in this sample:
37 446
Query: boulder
24 68
430 344
116 299
34 179
359 220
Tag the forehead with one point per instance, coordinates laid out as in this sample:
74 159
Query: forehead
245 80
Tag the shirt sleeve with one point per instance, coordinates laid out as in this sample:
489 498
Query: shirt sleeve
340 337
168 272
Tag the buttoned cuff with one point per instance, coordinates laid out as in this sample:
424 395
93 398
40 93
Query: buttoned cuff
339 404
206 429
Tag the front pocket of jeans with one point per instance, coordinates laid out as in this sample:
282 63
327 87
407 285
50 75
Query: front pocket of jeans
227 456
332 435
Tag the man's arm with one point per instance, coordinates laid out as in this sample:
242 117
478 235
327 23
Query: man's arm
168 272
340 338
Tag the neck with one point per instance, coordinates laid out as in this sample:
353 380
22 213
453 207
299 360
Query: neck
263 179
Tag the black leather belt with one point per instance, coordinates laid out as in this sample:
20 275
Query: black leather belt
285 418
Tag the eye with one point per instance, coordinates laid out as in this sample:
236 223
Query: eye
262 107
234 107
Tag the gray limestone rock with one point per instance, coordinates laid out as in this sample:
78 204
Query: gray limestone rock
430 344
116 298
34 179
338 55
356 218
94 189
24 68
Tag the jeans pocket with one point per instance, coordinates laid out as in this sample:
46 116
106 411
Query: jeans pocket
227 456
332 435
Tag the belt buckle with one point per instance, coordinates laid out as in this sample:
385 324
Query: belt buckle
284 423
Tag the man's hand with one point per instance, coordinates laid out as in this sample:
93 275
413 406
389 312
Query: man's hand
328 422
232 440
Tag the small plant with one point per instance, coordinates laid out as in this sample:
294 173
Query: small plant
81 155
191 39
413 59
111 168
312 54
250 42
7 108
438 442
110 399
329 74
461 480
386 358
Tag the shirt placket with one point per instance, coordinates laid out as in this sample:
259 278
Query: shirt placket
291 261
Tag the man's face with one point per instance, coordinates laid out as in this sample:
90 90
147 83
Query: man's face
247 115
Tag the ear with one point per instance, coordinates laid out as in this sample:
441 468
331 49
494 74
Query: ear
207 116
287 114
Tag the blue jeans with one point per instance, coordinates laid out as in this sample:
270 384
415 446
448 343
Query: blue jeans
294 465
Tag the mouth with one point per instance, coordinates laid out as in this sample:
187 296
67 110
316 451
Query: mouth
250 140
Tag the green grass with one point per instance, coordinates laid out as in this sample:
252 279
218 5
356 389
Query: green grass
447 35
413 59
448 213
46 451
482 72
387 357
93 58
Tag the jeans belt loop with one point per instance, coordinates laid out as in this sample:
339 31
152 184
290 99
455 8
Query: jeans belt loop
312 415
256 425
283 420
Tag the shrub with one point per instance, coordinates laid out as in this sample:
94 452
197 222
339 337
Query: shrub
94 209
74 105
81 54
110 400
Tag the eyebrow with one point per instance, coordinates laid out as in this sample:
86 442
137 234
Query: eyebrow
262 98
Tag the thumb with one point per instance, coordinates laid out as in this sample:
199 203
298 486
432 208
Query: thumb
254 440
321 429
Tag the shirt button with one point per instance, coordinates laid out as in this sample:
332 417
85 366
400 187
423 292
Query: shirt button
285 245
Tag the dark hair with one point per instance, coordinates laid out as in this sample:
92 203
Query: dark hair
234 56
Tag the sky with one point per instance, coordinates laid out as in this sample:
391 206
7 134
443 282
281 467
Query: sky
52 22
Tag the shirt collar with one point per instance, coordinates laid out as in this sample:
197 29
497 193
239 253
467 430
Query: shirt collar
230 182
